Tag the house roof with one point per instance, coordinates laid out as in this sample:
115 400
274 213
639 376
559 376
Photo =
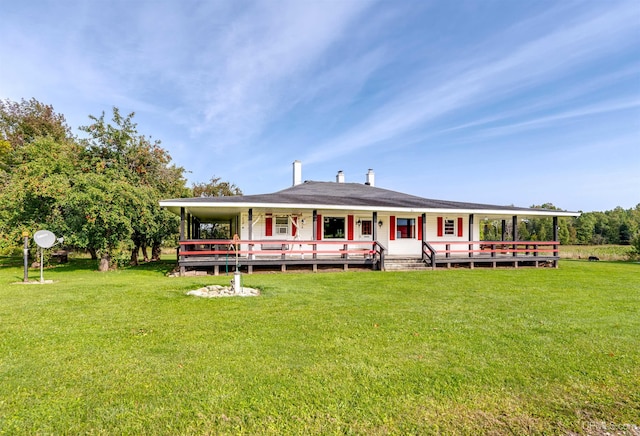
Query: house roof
348 196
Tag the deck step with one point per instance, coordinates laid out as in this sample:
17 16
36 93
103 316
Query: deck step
408 264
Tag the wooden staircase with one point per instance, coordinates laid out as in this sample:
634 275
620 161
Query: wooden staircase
404 264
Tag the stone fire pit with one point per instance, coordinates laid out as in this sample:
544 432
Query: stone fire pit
214 291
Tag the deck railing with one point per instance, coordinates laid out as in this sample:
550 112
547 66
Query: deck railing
495 248
310 249
429 254
315 252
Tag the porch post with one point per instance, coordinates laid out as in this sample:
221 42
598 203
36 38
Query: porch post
514 223
504 230
315 225
250 231
182 223
555 238
424 227
315 234
374 226
182 217
194 227
470 234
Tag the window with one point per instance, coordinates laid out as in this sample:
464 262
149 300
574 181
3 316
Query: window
282 225
366 228
406 228
449 227
334 228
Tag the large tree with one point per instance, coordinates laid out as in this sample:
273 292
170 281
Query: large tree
36 190
23 122
215 188
38 157
101 192
143 172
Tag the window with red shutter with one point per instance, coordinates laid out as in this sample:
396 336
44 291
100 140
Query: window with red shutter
319 227
392 228
268 226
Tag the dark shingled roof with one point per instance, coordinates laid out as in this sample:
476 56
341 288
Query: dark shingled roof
348 194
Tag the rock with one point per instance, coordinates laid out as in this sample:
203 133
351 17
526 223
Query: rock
213 291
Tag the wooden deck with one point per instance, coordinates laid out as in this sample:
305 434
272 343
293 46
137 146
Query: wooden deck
219 256
491 253
244 255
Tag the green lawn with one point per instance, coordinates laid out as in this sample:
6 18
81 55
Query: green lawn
504 351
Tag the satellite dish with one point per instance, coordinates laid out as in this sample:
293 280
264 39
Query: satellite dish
44 238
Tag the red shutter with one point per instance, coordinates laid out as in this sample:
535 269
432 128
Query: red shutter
294 226
319 226
440 226
268 226
392 228
459 227
419 228
350 227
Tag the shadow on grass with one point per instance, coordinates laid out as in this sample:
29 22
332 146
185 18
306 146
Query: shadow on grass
79 264
161 266
10 261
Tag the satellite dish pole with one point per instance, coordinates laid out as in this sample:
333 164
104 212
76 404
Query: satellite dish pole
45 239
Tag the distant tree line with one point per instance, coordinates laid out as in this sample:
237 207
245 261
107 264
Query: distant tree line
100 191
617 226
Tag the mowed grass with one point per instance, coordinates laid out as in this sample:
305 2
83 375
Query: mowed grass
504 351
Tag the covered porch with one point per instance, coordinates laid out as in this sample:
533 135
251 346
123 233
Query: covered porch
248 236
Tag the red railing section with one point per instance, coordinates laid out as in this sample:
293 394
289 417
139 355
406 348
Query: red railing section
430 250
494 248
212 247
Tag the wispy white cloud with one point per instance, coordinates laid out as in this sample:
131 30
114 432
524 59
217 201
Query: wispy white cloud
543 102
491 76
262 56
600 108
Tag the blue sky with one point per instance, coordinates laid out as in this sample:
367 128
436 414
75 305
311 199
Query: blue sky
500 102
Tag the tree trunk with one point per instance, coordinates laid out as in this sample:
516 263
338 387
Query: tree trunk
155 251
104 263
134 256
93 253
143 246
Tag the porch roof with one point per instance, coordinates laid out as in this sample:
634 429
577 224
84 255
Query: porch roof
345 196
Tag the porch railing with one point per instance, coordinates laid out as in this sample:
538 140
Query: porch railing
285 249
496 248
428 254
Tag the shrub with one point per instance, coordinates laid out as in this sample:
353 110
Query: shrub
634 253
